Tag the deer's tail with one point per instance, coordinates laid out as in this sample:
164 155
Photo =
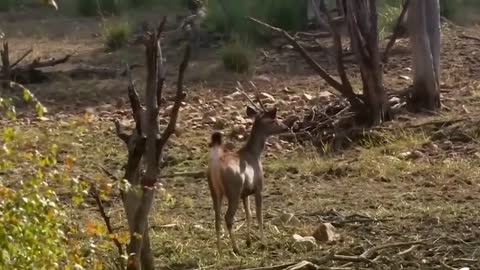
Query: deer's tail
216 139
215 149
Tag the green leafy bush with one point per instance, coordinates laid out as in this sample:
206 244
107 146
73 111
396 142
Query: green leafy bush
36 231
387 19
230 17
96 7
6 5
87 7
110 7
116 35
237 57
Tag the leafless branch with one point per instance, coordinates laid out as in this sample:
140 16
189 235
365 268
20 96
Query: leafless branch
351 96
108 224
4 54
161 66
396 31
180 96
137 110
21 58
121 133
337 41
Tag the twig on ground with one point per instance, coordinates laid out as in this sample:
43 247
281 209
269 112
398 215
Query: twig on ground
446 266
197 174
406 251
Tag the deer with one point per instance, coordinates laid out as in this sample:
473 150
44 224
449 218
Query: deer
238 175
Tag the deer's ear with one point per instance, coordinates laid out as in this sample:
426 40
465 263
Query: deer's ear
251 112
272 113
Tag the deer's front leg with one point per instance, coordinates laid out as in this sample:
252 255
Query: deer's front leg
248 214
258 208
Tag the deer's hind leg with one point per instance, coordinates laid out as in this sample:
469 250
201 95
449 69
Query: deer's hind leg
233 191
217 206
233 204
217 198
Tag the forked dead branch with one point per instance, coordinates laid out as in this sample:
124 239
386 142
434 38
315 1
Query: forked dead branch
147 143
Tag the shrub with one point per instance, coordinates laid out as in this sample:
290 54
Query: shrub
94 7
6 5
387 19
116 35
110 7
87 7
230 17
35 230
287 14
237 57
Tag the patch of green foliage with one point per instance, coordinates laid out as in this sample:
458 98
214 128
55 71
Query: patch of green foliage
116 35
237 57
87 7
387 18
229 16
96 7
35 229
6 5
110 7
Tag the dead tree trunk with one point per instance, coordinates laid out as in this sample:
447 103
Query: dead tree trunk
363 28
146 144
424 30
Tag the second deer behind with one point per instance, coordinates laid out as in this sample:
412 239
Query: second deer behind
238 175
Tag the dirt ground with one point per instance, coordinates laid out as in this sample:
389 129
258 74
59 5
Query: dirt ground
418 180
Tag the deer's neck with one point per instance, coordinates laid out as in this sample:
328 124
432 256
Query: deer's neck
255 144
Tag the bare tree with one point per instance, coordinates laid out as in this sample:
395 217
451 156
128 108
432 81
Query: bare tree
424 30
147 143
370 106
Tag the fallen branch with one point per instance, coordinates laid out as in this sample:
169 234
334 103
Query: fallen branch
198 174
104 72
37 63
108 224
366 257
466 36
21 58
371 251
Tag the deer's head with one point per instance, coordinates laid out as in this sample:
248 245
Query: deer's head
266 122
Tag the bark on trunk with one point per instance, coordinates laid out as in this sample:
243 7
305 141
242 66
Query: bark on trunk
362 24
424 29
145 146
